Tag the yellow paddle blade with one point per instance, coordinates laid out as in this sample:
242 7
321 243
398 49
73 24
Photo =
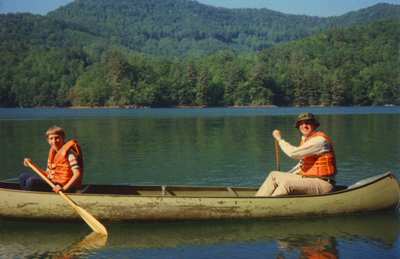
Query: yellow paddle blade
93 223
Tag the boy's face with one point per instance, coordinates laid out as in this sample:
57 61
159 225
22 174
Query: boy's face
55 141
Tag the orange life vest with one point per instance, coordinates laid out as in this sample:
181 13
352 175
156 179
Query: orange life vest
317 253
323 165
59 166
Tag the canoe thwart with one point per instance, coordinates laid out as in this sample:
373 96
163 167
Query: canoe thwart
230 190
165 191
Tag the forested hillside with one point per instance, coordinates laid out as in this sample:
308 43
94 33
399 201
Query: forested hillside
185 27
168 53
354 66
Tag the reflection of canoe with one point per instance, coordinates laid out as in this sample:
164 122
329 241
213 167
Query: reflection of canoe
119 203
382 228
27 237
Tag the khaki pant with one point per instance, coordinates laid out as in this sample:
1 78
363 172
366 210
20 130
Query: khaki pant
281 183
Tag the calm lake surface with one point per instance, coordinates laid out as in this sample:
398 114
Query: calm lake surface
221 146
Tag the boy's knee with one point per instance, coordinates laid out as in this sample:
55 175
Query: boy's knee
29 183
23 179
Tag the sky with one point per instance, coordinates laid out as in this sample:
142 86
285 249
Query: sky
322 8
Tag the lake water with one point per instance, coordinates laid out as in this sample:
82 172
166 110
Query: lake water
221 146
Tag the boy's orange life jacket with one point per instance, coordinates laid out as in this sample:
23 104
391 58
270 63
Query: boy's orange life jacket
58 163
323 165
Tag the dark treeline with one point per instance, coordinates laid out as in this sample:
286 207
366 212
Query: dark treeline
353 66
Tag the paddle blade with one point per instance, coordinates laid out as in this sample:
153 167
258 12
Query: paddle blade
94 224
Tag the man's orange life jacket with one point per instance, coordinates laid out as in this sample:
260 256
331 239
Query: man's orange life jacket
323 165
319 250
58 164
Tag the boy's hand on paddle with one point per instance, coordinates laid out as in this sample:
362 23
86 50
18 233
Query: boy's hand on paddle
27 161
57 188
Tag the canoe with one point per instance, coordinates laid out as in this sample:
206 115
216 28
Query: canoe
136 203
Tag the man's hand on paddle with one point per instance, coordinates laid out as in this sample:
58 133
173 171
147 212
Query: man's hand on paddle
277 134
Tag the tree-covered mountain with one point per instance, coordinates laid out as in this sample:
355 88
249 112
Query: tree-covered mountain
369 14
359 65
94 53
182 27
171 27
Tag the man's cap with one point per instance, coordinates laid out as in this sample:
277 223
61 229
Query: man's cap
307 116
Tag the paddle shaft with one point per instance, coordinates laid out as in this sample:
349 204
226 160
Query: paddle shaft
93 223
277 156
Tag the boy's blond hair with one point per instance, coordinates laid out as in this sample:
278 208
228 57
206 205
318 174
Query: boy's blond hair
56 131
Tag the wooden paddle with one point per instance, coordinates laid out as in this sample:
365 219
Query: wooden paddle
93 223
277 156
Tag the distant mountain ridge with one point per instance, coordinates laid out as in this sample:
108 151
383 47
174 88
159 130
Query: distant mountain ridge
172 27
182 27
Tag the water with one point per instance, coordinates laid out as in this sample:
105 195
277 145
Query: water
203 147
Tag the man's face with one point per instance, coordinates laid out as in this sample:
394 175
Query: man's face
55 141
306 127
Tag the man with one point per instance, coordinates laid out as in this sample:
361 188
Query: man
64 164
315 172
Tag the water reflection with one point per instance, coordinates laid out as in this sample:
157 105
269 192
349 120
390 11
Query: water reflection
309 248
87 245
292 238
381 228
47 240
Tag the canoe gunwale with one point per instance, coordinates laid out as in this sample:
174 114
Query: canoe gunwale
164 189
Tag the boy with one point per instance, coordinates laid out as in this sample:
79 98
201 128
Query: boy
64 164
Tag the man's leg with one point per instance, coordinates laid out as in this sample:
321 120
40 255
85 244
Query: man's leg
302 185
273 181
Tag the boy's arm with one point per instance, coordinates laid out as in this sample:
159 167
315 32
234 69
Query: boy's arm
76 172
75 175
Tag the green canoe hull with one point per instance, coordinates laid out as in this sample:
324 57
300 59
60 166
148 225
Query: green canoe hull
137 203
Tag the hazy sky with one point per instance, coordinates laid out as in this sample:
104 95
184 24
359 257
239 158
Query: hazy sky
308 7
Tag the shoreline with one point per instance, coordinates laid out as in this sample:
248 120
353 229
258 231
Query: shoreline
134 107
172 107
146 107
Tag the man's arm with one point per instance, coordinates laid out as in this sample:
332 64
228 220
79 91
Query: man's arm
295 169
314 146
